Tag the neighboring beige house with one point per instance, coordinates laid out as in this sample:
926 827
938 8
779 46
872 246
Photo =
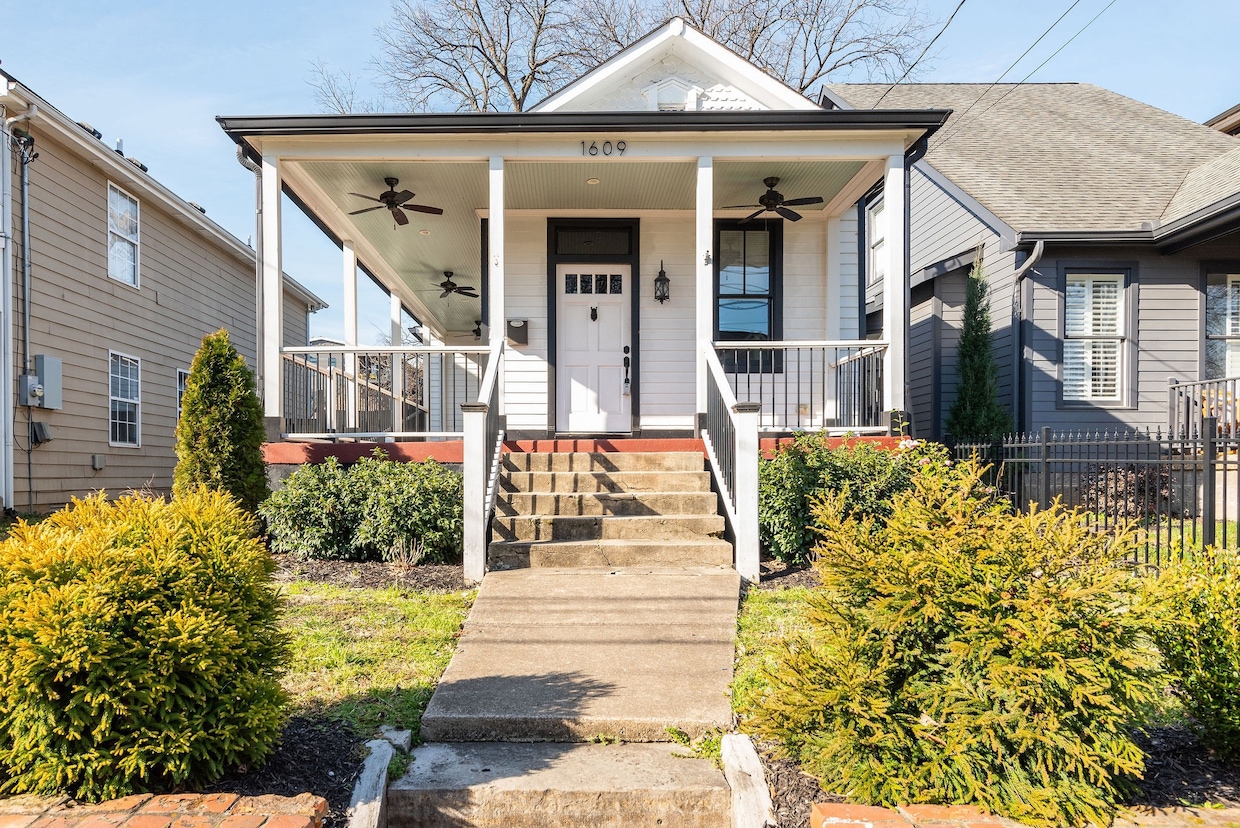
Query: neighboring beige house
1228 121
120 281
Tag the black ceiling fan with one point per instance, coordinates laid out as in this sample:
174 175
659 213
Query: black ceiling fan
450 287
774 202
395 203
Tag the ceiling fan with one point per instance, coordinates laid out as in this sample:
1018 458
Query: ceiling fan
450 287
394 202
774 202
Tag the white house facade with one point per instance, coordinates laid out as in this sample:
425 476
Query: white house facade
669 246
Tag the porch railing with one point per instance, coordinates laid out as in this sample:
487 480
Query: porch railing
809 386
1188 403
369 393
731 438
483 441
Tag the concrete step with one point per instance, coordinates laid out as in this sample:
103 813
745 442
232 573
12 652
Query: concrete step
509 504
603 461
591 527
568 482
502 555
568 655
491 785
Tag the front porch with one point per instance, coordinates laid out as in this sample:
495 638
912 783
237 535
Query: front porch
626 285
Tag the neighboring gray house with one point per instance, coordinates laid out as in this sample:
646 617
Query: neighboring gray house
104 301
1110 234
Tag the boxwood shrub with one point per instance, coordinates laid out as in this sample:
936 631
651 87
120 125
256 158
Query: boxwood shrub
867 474
368 510
138 647
1199 636
959 653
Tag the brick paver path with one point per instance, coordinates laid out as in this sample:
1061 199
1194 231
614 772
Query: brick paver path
830 815
174 811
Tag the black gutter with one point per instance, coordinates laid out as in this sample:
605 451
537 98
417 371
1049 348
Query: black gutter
1085 237
491 123
1201 226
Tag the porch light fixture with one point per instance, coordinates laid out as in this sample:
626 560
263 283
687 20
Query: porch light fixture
424 232
591 180
662 285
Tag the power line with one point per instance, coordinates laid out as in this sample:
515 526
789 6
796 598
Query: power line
1032 46
1040 65
913 65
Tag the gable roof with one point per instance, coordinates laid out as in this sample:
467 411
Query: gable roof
679 39
1058 157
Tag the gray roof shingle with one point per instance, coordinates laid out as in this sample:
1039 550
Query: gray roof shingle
1067 156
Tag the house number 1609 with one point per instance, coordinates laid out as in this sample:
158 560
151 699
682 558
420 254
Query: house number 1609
607 148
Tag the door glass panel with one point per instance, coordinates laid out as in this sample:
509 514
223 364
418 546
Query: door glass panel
587 283
617 283
600 283
570 283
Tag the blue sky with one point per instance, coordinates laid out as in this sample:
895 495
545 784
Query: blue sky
157 73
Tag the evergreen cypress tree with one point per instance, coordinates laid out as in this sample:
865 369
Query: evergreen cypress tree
220 435
976 411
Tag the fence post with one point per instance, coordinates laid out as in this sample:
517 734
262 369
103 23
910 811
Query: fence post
1209 447
746 494
1044 498
475 456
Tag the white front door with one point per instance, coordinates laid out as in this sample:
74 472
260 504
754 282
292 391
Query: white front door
592 343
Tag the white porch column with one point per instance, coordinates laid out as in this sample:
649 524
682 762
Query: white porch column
495 249
835 306
895 287
271 322
398 365
705 220
349 274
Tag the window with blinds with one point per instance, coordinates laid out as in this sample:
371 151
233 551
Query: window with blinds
1222 350
1093 343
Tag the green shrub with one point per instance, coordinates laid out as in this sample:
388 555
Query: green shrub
220 434
810 468
139 648
1199 602
314 514
366 512
960 653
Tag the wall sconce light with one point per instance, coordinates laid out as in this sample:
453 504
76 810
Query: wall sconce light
662 285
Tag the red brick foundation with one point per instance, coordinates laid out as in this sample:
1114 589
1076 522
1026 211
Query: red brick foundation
172 811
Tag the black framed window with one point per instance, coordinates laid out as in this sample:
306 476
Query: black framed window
749 290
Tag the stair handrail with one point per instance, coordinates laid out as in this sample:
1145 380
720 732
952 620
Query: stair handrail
732 447
484 438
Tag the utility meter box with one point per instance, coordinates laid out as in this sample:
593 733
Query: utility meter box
48 370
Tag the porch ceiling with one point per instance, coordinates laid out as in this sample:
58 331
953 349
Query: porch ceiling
453 240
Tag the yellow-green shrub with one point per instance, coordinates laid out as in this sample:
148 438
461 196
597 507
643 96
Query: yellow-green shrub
138 647
960 653
1199 637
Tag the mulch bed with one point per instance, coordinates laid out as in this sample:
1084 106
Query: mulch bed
780 575
316 755
1179 771
371 574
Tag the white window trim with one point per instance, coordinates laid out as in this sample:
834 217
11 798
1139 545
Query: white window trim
137 239
875 235
1123 394
137 402
181 372
1231 284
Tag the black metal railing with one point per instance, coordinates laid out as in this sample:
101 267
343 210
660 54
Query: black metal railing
809 386
1179 492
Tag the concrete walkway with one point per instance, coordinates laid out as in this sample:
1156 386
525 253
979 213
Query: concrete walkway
570 655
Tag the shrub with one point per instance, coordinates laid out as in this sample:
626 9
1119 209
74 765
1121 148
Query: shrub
1199 636
373 510
976 413
220 434
139 647
960 653
809 467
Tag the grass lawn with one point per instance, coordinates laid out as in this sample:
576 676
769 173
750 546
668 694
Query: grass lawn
369 656
766 618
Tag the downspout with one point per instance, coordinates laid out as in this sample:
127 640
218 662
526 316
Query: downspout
249 164
7 408
1019 350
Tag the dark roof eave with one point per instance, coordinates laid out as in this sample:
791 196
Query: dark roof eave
1085 237
491 123
1218 219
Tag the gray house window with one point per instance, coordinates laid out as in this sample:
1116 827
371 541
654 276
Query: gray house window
1222 326
1094 338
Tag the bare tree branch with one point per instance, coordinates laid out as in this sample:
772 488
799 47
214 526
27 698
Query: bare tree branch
504 55
337 91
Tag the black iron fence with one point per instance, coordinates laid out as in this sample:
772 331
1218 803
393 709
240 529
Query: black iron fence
1179 492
